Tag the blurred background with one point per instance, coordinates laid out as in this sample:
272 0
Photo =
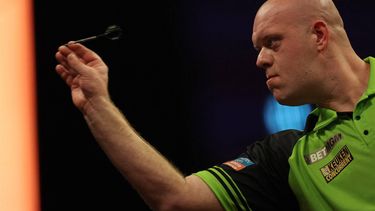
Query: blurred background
184 75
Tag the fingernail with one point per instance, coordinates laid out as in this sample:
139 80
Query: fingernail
71 56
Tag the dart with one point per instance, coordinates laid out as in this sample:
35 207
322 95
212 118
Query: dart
112 32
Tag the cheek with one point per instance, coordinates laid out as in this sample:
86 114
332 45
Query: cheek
293 61
296 48
294 73
290 55
299 60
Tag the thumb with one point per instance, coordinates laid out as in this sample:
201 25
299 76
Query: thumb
76 64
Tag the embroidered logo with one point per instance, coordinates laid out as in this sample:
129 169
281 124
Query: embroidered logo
323 152
337 165
239 163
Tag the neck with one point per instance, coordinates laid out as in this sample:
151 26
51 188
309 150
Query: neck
347 81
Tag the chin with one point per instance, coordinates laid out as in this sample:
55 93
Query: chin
289 101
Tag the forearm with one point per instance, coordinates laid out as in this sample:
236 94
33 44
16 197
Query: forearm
160 184
148 171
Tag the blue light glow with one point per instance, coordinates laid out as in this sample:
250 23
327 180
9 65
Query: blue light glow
279 117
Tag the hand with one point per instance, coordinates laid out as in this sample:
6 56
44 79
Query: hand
84 72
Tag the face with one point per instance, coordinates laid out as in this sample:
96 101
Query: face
286 53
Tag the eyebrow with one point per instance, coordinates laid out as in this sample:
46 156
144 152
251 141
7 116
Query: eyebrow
254 44
274 36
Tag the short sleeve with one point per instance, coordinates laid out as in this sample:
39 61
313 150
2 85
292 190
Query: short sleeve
258 178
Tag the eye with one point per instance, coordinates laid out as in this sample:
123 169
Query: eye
269 43
272 42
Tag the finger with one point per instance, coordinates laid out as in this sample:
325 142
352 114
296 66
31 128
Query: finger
68 78
83 52
63 61
60 58
76 65
61 69
64 50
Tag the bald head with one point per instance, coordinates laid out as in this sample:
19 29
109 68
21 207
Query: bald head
303 10
304 14
302 43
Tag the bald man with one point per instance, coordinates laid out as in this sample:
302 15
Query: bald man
307 58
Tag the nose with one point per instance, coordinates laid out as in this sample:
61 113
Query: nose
265 59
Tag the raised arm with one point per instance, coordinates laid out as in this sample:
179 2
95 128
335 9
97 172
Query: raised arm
157 181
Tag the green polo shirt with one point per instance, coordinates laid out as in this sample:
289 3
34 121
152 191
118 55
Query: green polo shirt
332 167
328 166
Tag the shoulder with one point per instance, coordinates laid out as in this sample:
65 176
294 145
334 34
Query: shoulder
280 143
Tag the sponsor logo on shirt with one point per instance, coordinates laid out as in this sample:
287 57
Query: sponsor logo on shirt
239 163
323 152
337 165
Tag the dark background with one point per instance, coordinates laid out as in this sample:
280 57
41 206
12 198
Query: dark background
184 75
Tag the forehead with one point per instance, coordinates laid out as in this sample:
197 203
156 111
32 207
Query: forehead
272 18
264 26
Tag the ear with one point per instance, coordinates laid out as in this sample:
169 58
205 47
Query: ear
321 32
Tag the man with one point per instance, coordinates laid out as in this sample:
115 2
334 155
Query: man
307 58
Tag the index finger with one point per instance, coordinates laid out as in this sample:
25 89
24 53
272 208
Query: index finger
82 52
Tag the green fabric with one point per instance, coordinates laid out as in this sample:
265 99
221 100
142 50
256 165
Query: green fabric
333 166
219 184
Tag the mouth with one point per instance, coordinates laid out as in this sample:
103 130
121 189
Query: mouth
270 76
270 79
